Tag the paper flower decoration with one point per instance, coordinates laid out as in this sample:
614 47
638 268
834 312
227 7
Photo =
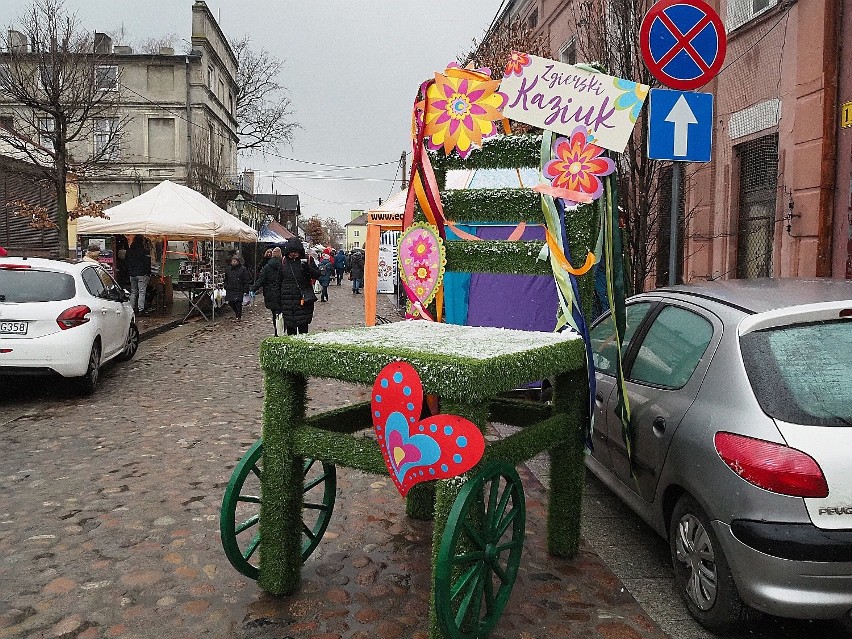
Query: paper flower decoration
422 258
578 165
632 98
461 111
517 62
416 450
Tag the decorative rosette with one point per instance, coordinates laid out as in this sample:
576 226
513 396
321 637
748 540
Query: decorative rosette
422 260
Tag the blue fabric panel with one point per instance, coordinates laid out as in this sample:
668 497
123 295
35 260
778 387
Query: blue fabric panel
456 287
523 302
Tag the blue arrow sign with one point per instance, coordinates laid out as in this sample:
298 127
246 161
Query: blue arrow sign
680 125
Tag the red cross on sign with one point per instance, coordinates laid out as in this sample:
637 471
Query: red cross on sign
683 43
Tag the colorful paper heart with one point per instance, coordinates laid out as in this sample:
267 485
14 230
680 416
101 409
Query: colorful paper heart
422 259
416 450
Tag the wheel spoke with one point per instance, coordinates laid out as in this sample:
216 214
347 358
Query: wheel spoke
472 591
474 535
504 501
509 545
308 531
462 582
249 499
506 522
498 570
314 483
307 465
312 506
489 594
248 523
492 504
256 471
252 547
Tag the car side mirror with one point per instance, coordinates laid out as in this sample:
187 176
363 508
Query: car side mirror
125 295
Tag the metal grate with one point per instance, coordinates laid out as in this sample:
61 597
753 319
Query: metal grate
758 174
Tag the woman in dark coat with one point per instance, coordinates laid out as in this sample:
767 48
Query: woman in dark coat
356 266
296 275
237 282
270 281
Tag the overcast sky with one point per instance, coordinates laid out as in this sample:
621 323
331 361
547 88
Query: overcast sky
351 70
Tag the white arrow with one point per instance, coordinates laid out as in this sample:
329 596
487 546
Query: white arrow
681 116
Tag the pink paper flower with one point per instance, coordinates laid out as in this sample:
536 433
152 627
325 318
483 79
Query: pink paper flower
421 247
422 272
578 165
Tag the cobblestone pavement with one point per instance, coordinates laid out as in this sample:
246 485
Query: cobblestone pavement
109 514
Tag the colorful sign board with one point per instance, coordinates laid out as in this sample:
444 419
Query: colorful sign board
683 43
559 97
680 125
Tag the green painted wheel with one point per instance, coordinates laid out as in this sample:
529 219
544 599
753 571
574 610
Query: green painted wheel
239 517
480 552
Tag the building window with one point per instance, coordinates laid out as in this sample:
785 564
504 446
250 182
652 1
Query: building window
758 172
568 55
532 19
106 139
230 102
210 76
47 133
106 78
356 244
355 233
221 94
742 11
161 139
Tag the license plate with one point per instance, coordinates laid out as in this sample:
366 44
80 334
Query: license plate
13 328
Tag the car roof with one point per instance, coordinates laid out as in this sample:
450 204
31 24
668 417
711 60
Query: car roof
44 263
759 295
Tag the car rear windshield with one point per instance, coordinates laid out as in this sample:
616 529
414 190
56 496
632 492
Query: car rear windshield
801 374
29 285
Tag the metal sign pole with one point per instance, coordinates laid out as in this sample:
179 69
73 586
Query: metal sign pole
677 172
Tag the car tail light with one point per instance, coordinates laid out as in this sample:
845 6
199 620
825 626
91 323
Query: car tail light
772 466
14 267
74 316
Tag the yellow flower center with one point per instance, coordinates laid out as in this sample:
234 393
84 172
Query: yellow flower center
421 248
575 167
421 272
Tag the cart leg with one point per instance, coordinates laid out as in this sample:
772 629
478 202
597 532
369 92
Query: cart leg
567 467
281 485
446 492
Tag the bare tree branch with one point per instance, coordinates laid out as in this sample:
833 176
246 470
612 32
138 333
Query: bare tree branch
264 113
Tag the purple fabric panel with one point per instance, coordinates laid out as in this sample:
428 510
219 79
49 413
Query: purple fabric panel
523 302
531 232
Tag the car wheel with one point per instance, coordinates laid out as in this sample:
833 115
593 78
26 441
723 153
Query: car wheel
131 345
702 575
89 382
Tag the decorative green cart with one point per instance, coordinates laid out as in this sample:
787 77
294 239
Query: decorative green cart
479 517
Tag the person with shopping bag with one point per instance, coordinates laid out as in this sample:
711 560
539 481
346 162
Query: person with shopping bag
297 293
269 280
237 282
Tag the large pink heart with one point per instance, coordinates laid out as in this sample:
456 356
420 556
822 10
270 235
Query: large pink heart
416 450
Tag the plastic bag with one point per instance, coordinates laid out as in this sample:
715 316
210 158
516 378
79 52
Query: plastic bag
317 287
279 325
247 299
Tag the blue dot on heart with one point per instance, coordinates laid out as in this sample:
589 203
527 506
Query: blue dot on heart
431 471
433 428
444 468
409 406
457 458
406 390
378 398
411 419
384 383
461 442
397 377
448 430
421 428
378 414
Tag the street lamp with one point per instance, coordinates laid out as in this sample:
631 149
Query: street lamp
239 205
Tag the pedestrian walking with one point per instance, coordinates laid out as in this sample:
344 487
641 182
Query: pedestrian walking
339 265
237 283
326 269
92 254
270 281
297 294
356 270
138 265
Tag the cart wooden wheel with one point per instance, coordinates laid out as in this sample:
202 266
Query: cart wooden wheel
239 517
480 552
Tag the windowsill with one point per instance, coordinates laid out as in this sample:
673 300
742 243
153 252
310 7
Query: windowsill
756 21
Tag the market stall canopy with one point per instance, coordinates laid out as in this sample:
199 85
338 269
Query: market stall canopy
173 211
273 233
394 204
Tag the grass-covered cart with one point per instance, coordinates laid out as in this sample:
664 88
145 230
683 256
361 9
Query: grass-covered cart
479 517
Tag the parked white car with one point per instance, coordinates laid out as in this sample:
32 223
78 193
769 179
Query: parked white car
63 319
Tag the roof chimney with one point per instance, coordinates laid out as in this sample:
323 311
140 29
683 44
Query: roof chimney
103 43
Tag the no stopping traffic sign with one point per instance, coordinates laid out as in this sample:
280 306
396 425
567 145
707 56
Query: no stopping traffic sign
683 43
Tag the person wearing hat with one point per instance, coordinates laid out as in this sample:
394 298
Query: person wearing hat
92 253
297 294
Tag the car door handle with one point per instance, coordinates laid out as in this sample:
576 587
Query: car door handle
659 426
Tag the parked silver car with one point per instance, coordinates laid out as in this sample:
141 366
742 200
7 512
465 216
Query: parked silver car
741 401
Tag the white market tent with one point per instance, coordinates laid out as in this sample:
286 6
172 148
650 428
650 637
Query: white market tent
169 210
